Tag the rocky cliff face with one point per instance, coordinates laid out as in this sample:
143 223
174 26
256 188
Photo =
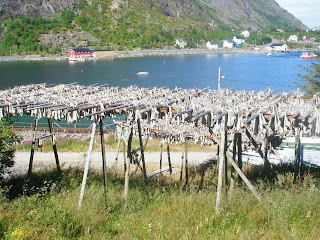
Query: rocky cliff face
243 14
34 8
254 14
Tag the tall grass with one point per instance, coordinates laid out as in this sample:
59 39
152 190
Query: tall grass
45 207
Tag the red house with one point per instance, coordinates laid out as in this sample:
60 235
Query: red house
82 54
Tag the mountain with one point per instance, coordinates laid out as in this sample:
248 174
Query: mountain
133 23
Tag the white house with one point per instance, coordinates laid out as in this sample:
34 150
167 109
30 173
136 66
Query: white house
227 44
308 38
279 47
181 43
212 45
245 33
293 38
238 40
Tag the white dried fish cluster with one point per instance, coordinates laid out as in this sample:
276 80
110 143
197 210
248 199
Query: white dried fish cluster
176 113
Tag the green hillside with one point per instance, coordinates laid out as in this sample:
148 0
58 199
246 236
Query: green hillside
121 25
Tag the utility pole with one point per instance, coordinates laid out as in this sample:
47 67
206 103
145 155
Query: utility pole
219 78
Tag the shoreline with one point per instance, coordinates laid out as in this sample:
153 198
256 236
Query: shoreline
141 53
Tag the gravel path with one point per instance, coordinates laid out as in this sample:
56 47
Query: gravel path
46 160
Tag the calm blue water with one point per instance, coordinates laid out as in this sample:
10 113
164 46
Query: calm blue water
248 72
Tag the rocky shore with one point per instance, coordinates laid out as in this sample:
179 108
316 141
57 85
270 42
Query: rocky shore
31 58
141 53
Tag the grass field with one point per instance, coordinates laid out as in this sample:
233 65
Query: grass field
46 207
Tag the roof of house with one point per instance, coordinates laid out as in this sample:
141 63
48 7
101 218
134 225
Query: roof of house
213 42
182 40
277 44
80 50
238 37
228 41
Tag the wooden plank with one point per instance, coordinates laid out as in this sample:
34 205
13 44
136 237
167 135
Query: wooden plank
220 170
127 173
169 159
186 160
251 118
142 153
117 153
104 166
54 146
33 147
297 155
258 149
161 150
239 147
86 168
244 178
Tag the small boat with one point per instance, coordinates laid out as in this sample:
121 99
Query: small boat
269 54
142 73
308 55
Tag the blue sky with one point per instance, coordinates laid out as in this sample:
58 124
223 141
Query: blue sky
307 11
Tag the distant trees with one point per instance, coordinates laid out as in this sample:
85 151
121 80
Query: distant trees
22 35
67 17
311 79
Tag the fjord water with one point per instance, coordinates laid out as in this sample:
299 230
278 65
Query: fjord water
240 71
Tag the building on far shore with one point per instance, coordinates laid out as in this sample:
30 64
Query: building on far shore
238 40
181 43
293 38
81 55
308 38
227 44
212 45
245 33
279 47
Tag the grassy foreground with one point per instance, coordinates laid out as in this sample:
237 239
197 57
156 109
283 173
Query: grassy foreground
46 207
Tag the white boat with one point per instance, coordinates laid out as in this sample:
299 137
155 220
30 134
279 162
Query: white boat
142 73
308 55
269 54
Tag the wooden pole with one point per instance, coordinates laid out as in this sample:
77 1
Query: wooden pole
142 153
229 156
124 155
127 173
169 159
297 155
117 154
54 146
86 169
225 160
33 146
140 157
239 147
104 167
161 150
267 165
275 175
250 186
220 170
182 160
186 160
234 154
